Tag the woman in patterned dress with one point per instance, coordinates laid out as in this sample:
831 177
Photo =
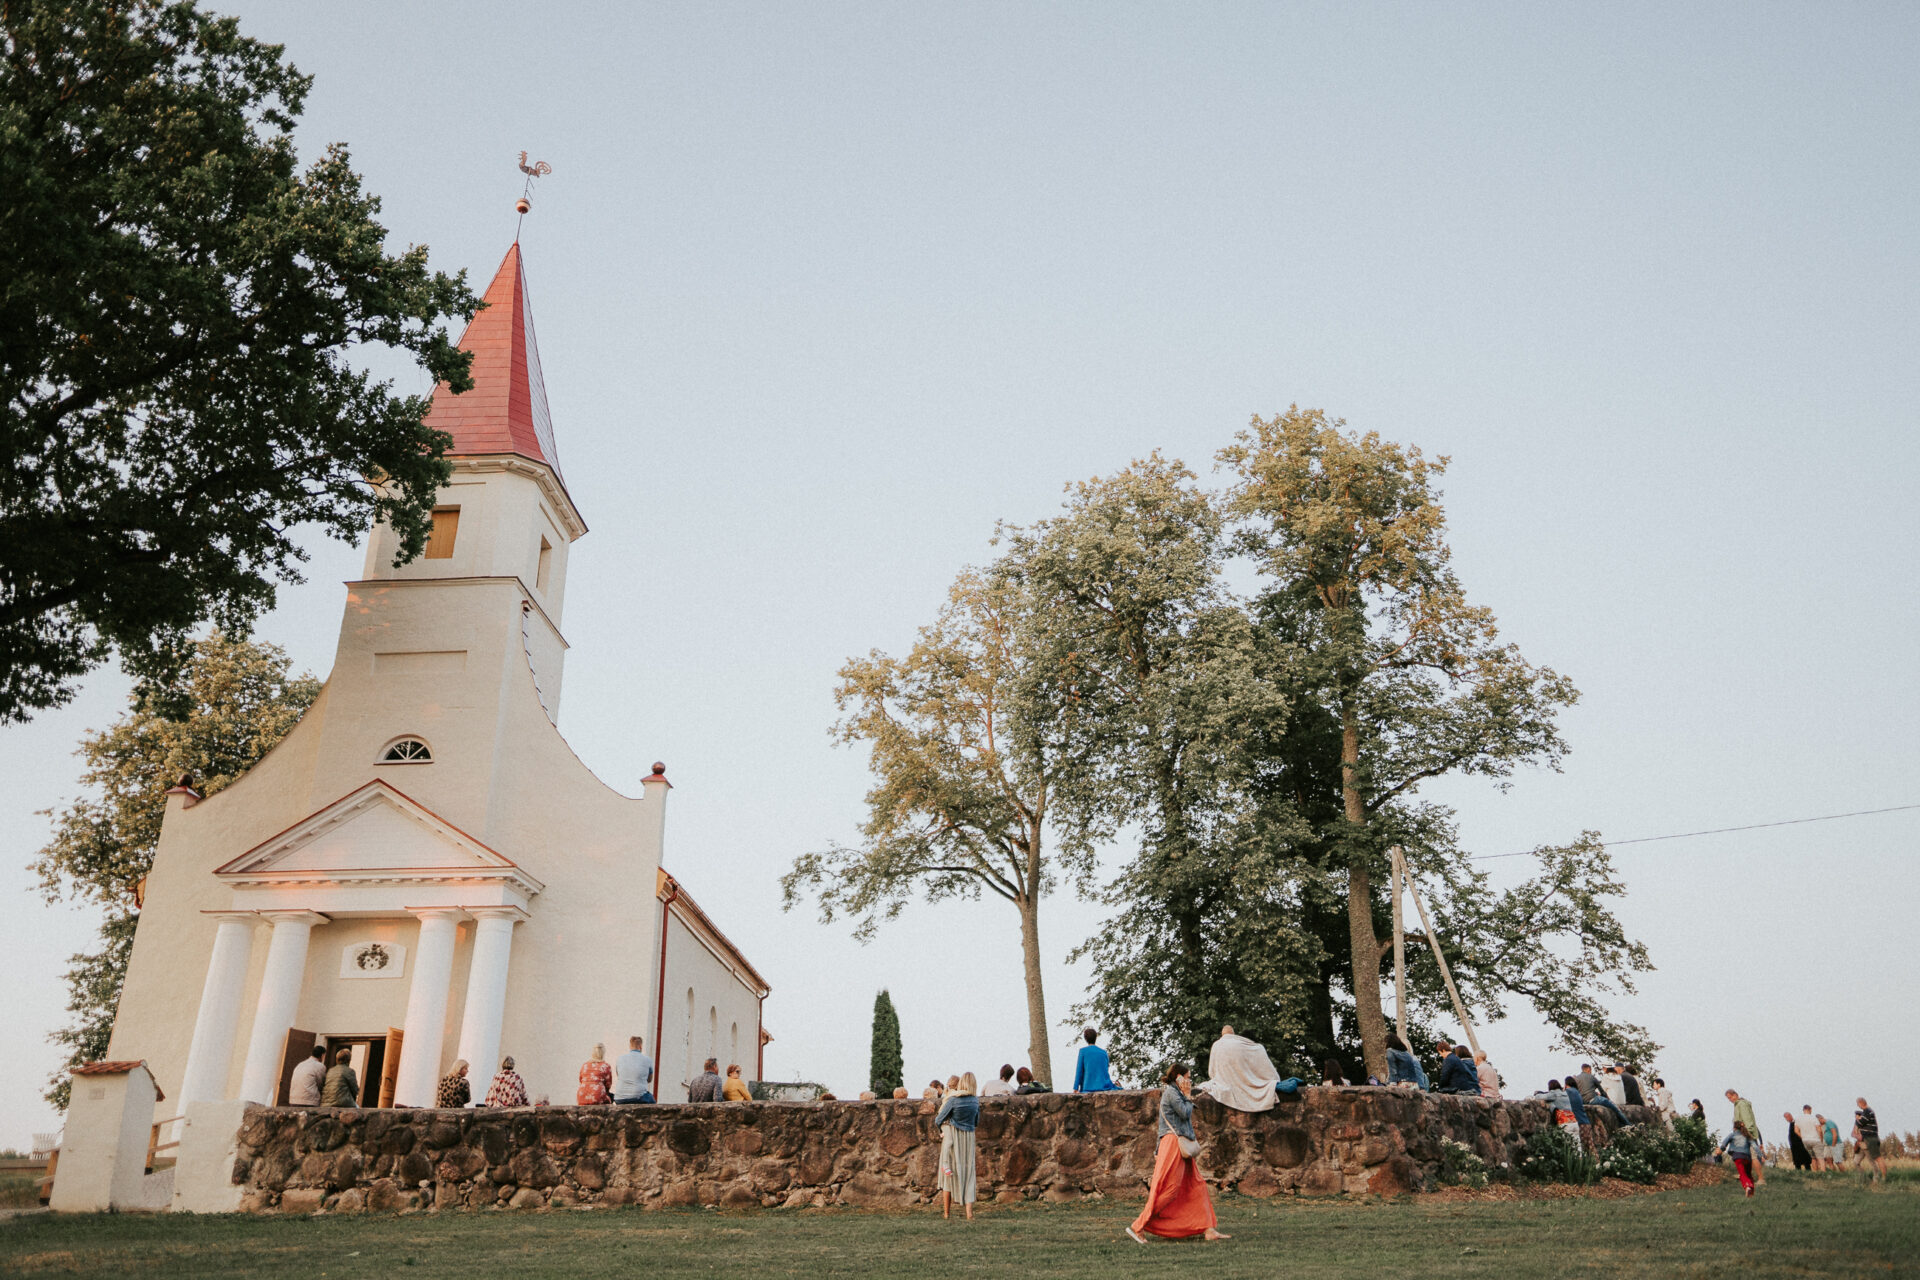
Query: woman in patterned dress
596 1080
508 1089
454 1089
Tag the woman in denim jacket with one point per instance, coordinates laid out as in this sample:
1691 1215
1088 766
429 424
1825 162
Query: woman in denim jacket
1177 1201
1402 1066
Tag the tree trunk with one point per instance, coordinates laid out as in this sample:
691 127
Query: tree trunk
1039 1056
1366 945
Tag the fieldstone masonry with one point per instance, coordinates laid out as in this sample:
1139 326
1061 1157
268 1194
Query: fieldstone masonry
1320 1141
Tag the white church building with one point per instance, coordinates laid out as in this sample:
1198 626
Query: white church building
422 870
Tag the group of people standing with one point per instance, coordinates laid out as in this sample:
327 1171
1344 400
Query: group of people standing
1813 1141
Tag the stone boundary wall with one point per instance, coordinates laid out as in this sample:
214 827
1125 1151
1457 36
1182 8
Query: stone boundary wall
1320 1141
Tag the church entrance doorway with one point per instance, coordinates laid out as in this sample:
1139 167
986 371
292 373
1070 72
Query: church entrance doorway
375 1061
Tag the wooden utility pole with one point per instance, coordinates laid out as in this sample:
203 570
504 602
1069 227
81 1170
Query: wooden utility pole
1446 974
1399 875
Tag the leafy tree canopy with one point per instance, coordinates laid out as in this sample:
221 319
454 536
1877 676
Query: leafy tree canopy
963 773
180 305
228 707
1269 748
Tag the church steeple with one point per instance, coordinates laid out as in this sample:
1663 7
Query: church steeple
505 513
506 411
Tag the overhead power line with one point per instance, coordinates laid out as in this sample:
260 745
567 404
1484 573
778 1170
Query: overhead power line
1717 831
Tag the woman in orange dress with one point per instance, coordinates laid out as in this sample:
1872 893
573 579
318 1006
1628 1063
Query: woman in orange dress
596 1079
1177 1201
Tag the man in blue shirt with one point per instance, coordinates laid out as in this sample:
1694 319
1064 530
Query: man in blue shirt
633 1074
1090 1073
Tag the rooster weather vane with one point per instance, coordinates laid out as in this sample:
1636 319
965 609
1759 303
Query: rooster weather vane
538 169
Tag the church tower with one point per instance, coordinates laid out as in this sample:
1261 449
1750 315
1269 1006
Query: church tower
455 630
422 870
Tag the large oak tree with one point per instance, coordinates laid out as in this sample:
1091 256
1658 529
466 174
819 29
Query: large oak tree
1349 529
181 303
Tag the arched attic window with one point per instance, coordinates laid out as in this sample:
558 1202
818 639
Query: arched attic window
406 751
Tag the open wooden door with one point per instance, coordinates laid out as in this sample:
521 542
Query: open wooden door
390 1066
299 1047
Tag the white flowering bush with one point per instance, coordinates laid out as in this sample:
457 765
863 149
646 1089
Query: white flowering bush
1461 1165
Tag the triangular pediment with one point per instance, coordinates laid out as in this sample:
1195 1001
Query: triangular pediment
374 831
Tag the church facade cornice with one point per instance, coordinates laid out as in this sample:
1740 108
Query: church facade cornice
540 473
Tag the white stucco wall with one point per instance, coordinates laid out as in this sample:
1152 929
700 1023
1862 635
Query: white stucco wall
702 982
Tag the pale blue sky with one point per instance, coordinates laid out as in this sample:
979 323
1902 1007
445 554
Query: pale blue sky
823 291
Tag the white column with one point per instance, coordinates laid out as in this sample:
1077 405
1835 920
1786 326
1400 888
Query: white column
279 1002
211 1054
486 1005
418 1079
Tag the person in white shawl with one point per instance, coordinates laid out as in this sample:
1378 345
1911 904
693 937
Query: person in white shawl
1241 1075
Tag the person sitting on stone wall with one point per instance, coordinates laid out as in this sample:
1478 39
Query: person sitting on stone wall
454 1090
1092 1071
1402 1066
633 1073
596 1079
934 1091
1594 1137
900 1093
342 1088
1489 1078
1457 1074
1004 1085
1592 1094
308 1077
1563 1116
733 1088
1241 1075
1025 1083
705 1087
507 1089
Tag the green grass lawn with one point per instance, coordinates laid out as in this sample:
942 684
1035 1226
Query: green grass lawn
1824 1226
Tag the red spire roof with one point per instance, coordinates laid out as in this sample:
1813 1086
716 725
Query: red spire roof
506 412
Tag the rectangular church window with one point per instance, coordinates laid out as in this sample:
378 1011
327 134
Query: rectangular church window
546 564
446 525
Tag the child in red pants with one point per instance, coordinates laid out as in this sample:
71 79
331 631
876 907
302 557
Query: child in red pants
1739 1146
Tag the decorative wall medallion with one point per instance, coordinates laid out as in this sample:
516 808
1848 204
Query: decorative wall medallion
373 960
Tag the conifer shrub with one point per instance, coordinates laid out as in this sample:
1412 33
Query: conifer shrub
885 1068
